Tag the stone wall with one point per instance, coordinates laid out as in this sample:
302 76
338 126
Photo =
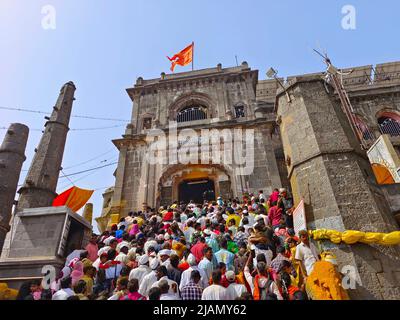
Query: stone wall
330 172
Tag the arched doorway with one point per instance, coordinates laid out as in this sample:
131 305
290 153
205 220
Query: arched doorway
196 190
213 179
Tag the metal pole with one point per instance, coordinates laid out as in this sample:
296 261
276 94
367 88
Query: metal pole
192 55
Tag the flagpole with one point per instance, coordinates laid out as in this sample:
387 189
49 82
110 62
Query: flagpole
193 56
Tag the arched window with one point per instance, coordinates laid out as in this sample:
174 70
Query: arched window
389 123
239 111
147 123
192 113
367 134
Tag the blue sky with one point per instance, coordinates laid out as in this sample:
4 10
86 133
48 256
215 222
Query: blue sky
103 46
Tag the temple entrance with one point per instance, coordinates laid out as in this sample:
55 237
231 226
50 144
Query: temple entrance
197 190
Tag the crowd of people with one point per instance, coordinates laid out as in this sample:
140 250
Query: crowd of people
237 249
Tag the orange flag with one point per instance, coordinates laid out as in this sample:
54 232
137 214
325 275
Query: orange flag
182 58
74 198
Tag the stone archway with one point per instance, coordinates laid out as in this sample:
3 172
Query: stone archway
174 175
191 98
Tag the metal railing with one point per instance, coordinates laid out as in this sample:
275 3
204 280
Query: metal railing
390 126
191 114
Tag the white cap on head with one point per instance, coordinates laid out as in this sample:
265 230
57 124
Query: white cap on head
143 259
102 250
108 240
164 252
230 276
154 263
191 260
282 190
167 236
207 231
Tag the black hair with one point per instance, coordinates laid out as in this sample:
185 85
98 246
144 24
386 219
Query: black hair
162 270
111 254
280 249
299 295
224 243
195 275
261 258
133 285
83 255
66 283
154 293
80 286
216 276
24 290
221 265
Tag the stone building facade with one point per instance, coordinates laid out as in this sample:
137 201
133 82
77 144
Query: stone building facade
216 99
329 170
306 144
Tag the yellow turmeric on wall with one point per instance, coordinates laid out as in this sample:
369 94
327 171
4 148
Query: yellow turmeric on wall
325 283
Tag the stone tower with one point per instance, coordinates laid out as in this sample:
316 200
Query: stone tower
12 155
328 169
41 182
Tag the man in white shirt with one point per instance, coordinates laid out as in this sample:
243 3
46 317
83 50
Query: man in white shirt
189 231
234 290
121 257
164 255
142 270
148 244
306 254
65 292
215 291
206 263
150 278
165 291
161 274
186 275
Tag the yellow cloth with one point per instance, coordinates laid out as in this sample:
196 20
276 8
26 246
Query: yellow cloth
324 283
78 198
7 293
89 284
179 248
296 266
234 217
352 236
87 263
139 221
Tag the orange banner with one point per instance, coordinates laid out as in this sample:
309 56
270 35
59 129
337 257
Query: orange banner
182 58
74 198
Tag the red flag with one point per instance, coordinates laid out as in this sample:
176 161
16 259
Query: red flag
182 58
